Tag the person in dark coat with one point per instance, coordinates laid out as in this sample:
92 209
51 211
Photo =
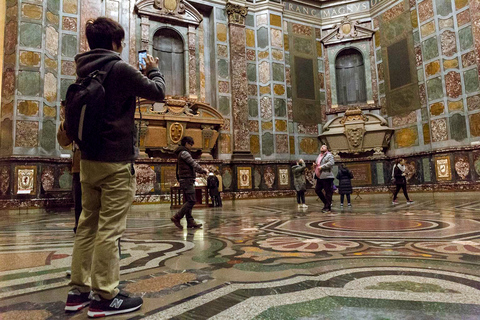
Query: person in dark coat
299 182
212 186
398 177
344 177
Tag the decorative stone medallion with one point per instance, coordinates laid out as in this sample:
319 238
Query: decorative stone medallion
4 180
269 177
244 177
462 167
442 168
48 178
146 177
26 179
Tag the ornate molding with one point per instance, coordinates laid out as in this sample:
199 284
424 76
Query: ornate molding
347 30
169 10
236 13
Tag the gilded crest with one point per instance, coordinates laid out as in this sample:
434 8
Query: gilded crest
176 132
355 136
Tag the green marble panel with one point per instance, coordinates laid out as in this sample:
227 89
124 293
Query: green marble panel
420 75
224 105
380 175
64 84
253 107
262 37
28 83
48 135
31 35
424 114
466 38
430 48
280 108
250 20
278 72
302 45
69 45
427 176
470 78
223 68
289 92
267 144
252 72
322 97
320 65
458 127
381 88
53 5
444 7
287 58
220 14
65 180
379 55
435 89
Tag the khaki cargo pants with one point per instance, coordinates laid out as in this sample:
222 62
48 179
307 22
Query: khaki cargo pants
108 189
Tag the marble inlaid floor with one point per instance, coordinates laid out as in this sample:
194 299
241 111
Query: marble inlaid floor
265 259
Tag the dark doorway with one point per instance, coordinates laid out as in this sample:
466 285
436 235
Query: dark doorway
350 74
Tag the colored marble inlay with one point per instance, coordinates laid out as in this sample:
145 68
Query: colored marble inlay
308 145
425 10
450 64
69 24
250 37
453 84
221 32
437 109
468 59
276 37
449 43
455 105
427 29
223 86
435 89
399 121
222 50
30 58
26 134
279 89
471 81
445 23
28 108
281 125
281 141
301 29
275 20
439 130
406 137
393 12
266 107
473 102
463 17
31 11
426 133
475 124
254 144
432 68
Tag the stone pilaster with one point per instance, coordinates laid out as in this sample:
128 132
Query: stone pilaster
192 63
89 9
475 18
238 71
145 28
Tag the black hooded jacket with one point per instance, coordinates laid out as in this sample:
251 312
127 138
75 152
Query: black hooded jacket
116 141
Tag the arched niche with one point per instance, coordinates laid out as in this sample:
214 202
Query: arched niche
168 46
350 77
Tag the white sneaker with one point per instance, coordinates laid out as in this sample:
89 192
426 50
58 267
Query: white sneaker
410 202
304 206
299 205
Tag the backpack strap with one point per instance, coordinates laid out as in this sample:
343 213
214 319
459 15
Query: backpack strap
103 74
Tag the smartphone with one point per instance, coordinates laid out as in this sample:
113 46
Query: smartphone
142 55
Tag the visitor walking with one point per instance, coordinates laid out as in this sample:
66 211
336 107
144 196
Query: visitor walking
344 177
399 178
300 182
323 173
186 168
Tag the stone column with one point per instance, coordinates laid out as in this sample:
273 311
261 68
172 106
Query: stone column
238 72
475 16
192 63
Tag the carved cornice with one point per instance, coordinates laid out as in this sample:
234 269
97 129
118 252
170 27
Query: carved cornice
236 13
347 30
170 10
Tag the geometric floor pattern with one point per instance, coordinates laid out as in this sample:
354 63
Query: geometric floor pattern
265 259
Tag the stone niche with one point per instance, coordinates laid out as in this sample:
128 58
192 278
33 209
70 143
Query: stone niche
356 133
163 125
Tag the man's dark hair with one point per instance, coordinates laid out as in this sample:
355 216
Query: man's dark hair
186 140
102 31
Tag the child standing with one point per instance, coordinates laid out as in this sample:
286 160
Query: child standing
299 182
212 185
344 177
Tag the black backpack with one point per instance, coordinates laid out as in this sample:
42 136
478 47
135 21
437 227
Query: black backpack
84 108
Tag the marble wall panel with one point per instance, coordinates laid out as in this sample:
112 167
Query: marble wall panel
311 129
221 32
444 7
262 37
267 126
430 48
264 71
414 19
470 78
51 40
450 63
475 124
439 130
48 135
265 90
26 134
251 72
30 58
458 127
224 105
68 68
225 143
222 50
28 83
466 38
455 105
69 45
51 64
277 54
266 107
277 37
406 137
427 29
262 19
453 84
280 107
459 4
435 89
394 12
437 109
425 10
255 144
448 43
50 87
422 93
463 17
267 144
281 142
223 86
28 108
251 55
468 59
4 180
278 71
279 89
69 24
253 126
302 45
302 29
8 86
445 23
253 107
473 103
432 68
70 6
30 35
280 125
399 121
250 37
426 133
49 112
11 33
308 146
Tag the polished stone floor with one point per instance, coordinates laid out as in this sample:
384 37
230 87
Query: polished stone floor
265 259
